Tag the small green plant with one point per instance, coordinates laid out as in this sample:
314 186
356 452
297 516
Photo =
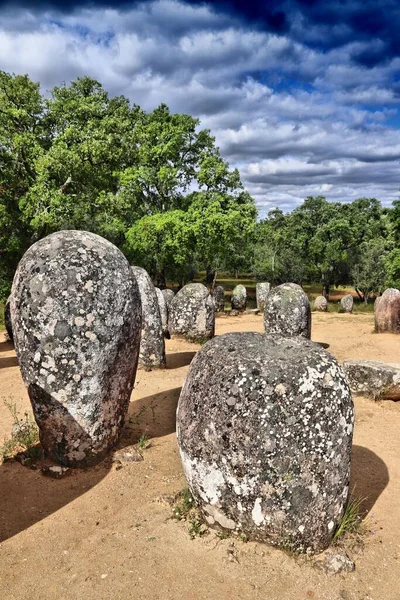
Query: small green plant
24 436
144 441
351 520
184 509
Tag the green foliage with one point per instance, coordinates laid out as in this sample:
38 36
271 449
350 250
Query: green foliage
24 437
184 509
351 521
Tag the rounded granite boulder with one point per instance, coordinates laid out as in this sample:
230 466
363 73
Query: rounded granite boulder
162 305
219 298
287 311
152 345
387 312
7 318
262 291
347 303
321 304
168 296
76 317
191 313
239 298
264 426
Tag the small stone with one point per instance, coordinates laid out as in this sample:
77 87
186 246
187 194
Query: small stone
162 305
333 563
191 313
239 298
152 345
387 312
321 304
168 296
287 311
262 291
347 303
128 454
55 472
7 319
373 378
219 298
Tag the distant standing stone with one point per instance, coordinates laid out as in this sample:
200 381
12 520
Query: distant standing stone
191 313
239 298
347 303
264 426
168 295
387 312
76 317
152 345
373 378
7 318
321 303
262 291
219 298
287 311
162 305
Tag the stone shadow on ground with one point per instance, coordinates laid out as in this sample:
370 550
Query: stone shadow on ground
153 415
369 476
6 346
179 359
8 361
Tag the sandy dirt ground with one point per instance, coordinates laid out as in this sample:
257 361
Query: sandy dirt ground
107 533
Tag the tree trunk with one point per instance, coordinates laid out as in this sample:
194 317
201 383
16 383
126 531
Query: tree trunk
325 291
161 280
210 277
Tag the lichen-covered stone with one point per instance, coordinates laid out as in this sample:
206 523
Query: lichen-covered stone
321 303
152 345
239 298
262 291
191 313
264 427
387 312
162 305
347 303
76 318
373 378
219 298
168 296
287 311
7 318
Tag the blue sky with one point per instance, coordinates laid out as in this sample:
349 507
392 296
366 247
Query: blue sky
301 95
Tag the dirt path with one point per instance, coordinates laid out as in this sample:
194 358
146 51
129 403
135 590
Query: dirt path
107 533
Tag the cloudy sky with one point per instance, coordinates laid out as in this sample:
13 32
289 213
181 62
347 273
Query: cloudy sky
301 95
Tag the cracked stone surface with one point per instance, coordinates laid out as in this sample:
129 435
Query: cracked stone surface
287 311
387 312
191 313
7 318
264 427
152 345
321 303
347 303
262 291
162 305
76 317
219 298
168 295
373 378
239 298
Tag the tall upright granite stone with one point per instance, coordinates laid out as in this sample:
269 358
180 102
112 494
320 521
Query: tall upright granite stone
287 311
162 305
168 296
191 313
321 304
239 298
7 318
219 298
152 345
262 291
387 312
264 426
347 303
76 317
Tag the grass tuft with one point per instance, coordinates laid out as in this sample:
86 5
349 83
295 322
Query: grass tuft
24 436
351 522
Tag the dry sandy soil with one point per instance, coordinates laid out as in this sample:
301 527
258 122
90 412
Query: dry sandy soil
107 533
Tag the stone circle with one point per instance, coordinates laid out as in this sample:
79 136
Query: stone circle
387 312
347 303
239 298
287 311
219 298
191 313
262 291
321 304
